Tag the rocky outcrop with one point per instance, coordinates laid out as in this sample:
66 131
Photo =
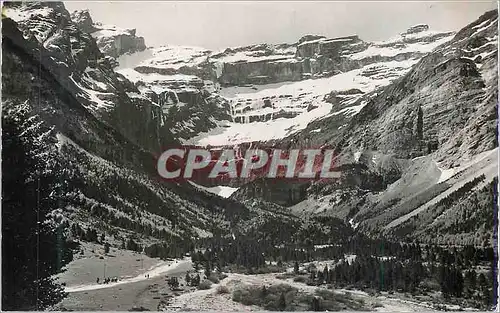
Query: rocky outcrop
116 42
416 29
103 132
83 21
317 56
189 104
74 60
261 72
190 69
112 41
332 48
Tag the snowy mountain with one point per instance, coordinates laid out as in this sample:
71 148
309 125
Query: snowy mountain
418 152
87 108
279 87
421 100
112 41
102 130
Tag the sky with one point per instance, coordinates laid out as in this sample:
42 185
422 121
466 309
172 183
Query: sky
217 25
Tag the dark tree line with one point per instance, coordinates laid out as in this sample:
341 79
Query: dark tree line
379 264
34 184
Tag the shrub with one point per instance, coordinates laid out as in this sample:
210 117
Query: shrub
247 296
138 309
285 276
173 282
334 302
222 276
214 279
273 298
269 269
300 279
222 290
206 284
285 297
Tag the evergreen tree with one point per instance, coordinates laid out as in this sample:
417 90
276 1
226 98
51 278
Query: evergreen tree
282 302
195 281
325 274
106 247
263 292
33 194
312 275
315 305
208 270
420 123
470 280
173 282
444 280
132 245
320 277
482 282
91 235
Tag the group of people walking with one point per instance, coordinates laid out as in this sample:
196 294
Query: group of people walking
108 280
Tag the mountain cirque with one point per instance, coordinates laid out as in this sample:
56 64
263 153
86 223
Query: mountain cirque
412 117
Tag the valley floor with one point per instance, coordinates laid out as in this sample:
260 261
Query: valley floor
135 289
213 300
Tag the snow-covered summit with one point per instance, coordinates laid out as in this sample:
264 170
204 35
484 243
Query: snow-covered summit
277 89
112 40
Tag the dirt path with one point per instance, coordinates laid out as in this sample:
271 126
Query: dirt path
165 268
138 291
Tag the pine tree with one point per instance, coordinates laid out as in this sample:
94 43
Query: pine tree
315 305
263 292
33 194
106 247
312 275
470 280
444 279
173 282
132 245
420 123
458 282
282 302
296 267
196 280
208 270
482 282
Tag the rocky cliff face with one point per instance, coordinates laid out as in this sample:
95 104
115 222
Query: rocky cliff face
73 58
248 76
318 56
104 131
179 81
